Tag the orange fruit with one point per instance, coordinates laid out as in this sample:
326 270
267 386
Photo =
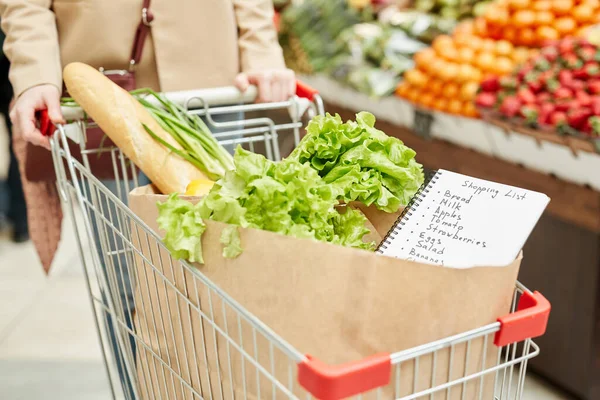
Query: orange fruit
442 42
415 78
454 106
519 4
450 90
562 7
413 95
468 90
526 36
523 18
464 73
466 55
543 18
503 66
504 48
436 65
449 53
435 86
583 13
440 104
565 25
426 99
546 33
591 3
485 61
469 110
542 5
424 57
497 15
520 55
583 31
509 33
475 43
465 27
449 73
401 89
480 27
488 46
476 74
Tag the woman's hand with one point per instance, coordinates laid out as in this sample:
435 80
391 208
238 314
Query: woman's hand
22 115
273 84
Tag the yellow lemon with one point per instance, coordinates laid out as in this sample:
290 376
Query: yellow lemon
199 187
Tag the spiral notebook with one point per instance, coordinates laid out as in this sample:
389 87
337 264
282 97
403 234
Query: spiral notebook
459 221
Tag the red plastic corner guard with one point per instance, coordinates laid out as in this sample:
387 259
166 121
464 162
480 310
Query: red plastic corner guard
305 91
45 125
326 382
529 321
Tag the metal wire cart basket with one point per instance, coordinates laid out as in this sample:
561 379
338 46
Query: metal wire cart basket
109 237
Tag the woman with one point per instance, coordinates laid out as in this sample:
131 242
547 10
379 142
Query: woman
191 44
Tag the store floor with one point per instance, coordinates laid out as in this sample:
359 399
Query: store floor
48 342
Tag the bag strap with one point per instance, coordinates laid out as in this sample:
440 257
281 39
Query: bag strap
141 34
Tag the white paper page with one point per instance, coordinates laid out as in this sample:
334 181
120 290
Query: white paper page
462 222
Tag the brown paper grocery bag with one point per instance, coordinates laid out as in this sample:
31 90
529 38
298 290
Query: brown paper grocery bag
212 330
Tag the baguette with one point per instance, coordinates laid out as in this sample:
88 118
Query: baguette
121 117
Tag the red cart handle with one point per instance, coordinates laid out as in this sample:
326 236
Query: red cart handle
529 321
45 125
305 91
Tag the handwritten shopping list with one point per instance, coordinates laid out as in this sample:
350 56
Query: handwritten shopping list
460 221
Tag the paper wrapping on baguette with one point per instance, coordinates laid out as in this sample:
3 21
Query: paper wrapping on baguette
122 117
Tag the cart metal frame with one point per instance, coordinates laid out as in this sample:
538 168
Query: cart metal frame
106 229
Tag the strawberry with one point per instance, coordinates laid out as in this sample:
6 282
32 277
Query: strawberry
524 72
584 99
576 85
565 77
546 110
594 86
563 93
595 124
576 117
530 113
587 53
491 84
526 96
565 105
587 127
535 86
557 118
566 46
587 71
485 99
508 82
595 104
571 61
550 54
543 98
542 64
510 106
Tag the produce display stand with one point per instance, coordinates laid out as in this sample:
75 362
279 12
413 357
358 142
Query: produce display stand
563 252
378 374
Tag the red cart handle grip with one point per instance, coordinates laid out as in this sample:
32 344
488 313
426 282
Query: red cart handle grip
45 125
333 382
305 91
529 321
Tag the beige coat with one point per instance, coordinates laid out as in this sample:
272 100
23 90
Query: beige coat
193 43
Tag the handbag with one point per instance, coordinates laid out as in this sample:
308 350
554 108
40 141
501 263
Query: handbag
39 164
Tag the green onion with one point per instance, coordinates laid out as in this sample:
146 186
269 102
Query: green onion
198 145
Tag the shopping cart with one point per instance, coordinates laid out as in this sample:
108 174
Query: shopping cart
109 237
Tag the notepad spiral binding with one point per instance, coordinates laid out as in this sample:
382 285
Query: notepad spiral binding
408 211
